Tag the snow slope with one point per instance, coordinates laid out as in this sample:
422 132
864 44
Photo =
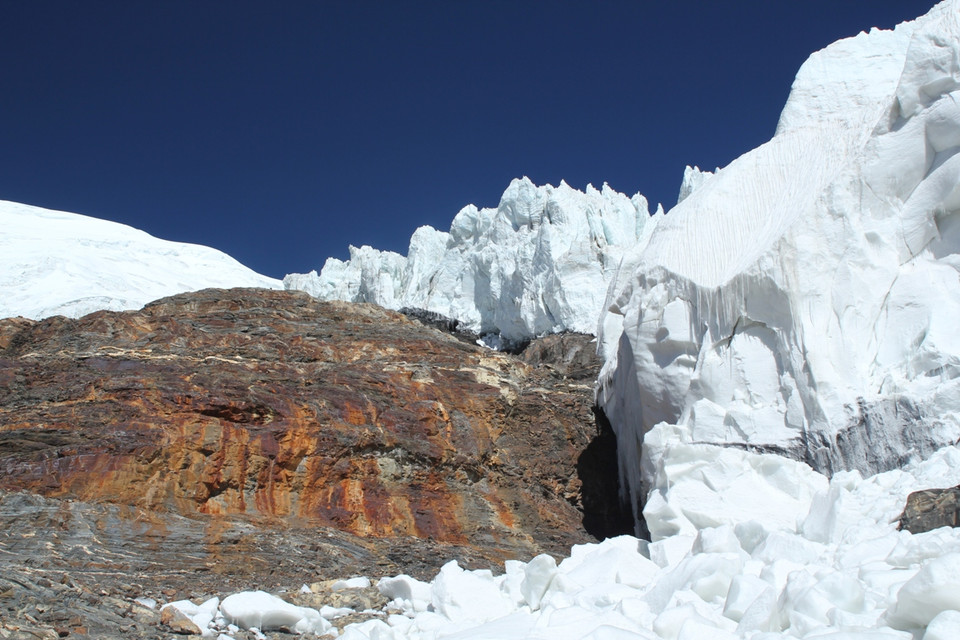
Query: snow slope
803 300
539 263
57 263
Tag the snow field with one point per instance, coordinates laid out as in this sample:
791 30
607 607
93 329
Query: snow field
58 263
830 564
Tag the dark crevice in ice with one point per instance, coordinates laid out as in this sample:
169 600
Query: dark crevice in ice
605 515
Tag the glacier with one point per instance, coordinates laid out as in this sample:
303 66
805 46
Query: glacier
780 370
59 263
538 263
803 299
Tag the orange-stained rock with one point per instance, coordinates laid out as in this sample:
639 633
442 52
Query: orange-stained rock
271 403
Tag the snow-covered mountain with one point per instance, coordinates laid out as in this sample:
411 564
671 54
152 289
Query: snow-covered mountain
58 263
539 263
804 299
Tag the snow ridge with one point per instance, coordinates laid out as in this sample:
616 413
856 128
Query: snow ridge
58 263
539 263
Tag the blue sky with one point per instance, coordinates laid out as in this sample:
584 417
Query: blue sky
282 132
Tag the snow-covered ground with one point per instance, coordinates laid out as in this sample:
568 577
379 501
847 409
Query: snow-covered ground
58 263
539 263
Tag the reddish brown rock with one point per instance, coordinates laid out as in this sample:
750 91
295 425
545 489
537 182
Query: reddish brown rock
178 622
270 403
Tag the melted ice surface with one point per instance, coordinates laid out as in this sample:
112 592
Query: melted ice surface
58 263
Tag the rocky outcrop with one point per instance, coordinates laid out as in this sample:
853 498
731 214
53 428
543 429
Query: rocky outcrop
272 404
571 355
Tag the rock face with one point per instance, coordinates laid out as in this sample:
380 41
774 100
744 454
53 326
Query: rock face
77 568
273 404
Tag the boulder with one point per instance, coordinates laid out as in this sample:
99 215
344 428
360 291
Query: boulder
931 509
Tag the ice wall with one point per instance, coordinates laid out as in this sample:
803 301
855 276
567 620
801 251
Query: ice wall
58 263
803 300
539 263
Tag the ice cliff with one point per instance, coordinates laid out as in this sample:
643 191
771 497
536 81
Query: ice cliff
804 299
539 263
58 263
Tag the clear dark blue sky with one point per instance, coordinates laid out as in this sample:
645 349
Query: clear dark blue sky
282 132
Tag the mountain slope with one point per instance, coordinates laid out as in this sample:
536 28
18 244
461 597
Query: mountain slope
272 403
58 263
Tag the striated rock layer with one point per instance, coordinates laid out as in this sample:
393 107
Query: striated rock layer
931 509
271 403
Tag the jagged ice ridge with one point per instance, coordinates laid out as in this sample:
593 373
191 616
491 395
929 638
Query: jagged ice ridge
539 263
